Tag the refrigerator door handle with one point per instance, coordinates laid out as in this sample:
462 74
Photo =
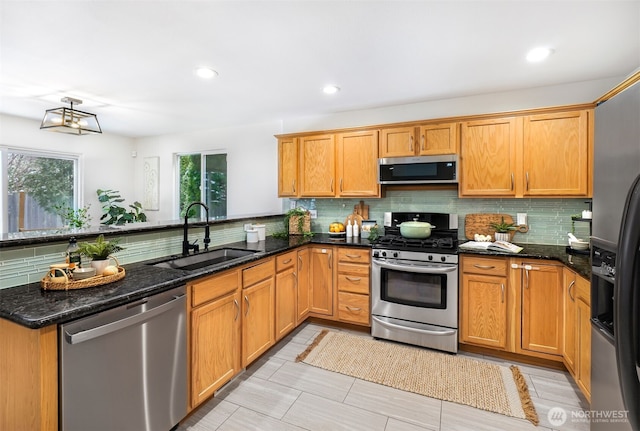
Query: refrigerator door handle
626 304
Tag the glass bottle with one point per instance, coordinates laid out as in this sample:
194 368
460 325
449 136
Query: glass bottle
73 253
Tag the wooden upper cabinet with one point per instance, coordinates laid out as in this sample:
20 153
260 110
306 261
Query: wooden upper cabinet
317 166
436 139
357 173
556 154
398 142
488 157
288 167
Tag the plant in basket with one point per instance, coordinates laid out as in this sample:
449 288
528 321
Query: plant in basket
502 229
100 251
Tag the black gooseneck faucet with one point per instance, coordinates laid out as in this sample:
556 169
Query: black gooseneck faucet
186 247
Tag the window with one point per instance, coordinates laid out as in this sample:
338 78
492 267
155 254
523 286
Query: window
202 178
37 187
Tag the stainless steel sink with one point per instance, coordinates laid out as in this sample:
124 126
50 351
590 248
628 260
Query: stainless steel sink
200 260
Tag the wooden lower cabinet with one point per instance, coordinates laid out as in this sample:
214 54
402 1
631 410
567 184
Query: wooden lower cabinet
483 302
321 281
303 286
353 280
258 293
286 294
214 334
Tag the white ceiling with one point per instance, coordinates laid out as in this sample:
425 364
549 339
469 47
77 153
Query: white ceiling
133 62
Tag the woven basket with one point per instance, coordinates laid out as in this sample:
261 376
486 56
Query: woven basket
98 280
294 225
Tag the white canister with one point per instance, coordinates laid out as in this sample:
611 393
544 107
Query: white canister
252 235
262 231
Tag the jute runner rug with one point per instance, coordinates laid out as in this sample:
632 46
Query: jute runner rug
458 379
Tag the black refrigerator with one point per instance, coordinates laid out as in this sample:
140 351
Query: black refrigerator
615 261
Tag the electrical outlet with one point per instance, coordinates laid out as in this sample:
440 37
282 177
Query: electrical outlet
521 219
247 226
313 213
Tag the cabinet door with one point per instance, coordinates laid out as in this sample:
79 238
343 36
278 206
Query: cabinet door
438 139
488 158
556 154
483 307
397 142
583 337
542 310
215 346
358 164
317 166
287 167
257 320
570 319
303 295
321 280
285 313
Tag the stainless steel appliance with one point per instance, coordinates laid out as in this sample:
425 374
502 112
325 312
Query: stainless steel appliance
125 368
414 291
615 287
418 170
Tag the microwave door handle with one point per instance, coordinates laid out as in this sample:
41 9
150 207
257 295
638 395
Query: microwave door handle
416 268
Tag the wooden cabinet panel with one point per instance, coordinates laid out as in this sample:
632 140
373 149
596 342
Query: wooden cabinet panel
556 154
317 166
321 280
488 157
438 139
397 142
206 289
215 345
542 308
353 308
484 310
303 285
261 271
285 300
353 283
357 173
484 265
569 352
258 320
287 167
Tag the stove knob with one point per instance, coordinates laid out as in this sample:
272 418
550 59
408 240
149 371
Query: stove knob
395 254
384 254
430 257
443 258
376 254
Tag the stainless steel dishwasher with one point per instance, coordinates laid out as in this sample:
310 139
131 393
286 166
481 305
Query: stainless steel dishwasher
125 368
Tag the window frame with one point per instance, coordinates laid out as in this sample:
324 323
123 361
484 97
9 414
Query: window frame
176 176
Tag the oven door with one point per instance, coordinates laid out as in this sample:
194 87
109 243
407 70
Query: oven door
415 291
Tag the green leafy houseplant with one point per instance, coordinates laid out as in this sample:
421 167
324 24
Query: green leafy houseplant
298 215
100 249
113 213
503 227
77 219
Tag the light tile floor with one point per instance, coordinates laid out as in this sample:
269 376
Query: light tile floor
276 393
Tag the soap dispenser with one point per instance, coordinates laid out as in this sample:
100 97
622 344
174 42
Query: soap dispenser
349 229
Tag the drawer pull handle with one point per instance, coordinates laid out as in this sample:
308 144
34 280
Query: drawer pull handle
354 308
353 256
353 278
484 266
286 261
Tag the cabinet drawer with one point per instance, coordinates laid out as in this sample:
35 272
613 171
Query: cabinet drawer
214 287
259 272
353 307
285 261
353 283
354 255
353 268
485 265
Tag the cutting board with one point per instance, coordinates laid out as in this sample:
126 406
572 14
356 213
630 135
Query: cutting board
479 224
362 210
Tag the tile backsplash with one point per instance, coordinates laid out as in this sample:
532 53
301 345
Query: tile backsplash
549 219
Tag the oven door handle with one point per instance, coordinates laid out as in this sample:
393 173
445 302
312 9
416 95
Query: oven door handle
415 268
416 330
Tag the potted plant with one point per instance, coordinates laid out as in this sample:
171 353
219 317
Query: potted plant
502 230
75 219
114 214
99 251
297 221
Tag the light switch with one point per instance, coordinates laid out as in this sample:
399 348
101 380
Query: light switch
521 219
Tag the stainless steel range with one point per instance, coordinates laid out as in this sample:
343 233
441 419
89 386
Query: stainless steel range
414 292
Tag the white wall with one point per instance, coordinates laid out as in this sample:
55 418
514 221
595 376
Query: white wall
252 166
105 161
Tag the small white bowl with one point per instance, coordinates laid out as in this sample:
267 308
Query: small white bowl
82 273
579 245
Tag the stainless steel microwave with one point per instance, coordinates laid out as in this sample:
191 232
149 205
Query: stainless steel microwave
418 170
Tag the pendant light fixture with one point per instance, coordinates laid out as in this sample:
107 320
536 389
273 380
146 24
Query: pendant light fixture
69 120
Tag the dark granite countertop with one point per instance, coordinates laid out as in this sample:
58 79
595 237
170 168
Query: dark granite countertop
578 262
30 306
34 308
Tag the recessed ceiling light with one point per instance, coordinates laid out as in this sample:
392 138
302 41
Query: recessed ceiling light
538 54
206 73
331 89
